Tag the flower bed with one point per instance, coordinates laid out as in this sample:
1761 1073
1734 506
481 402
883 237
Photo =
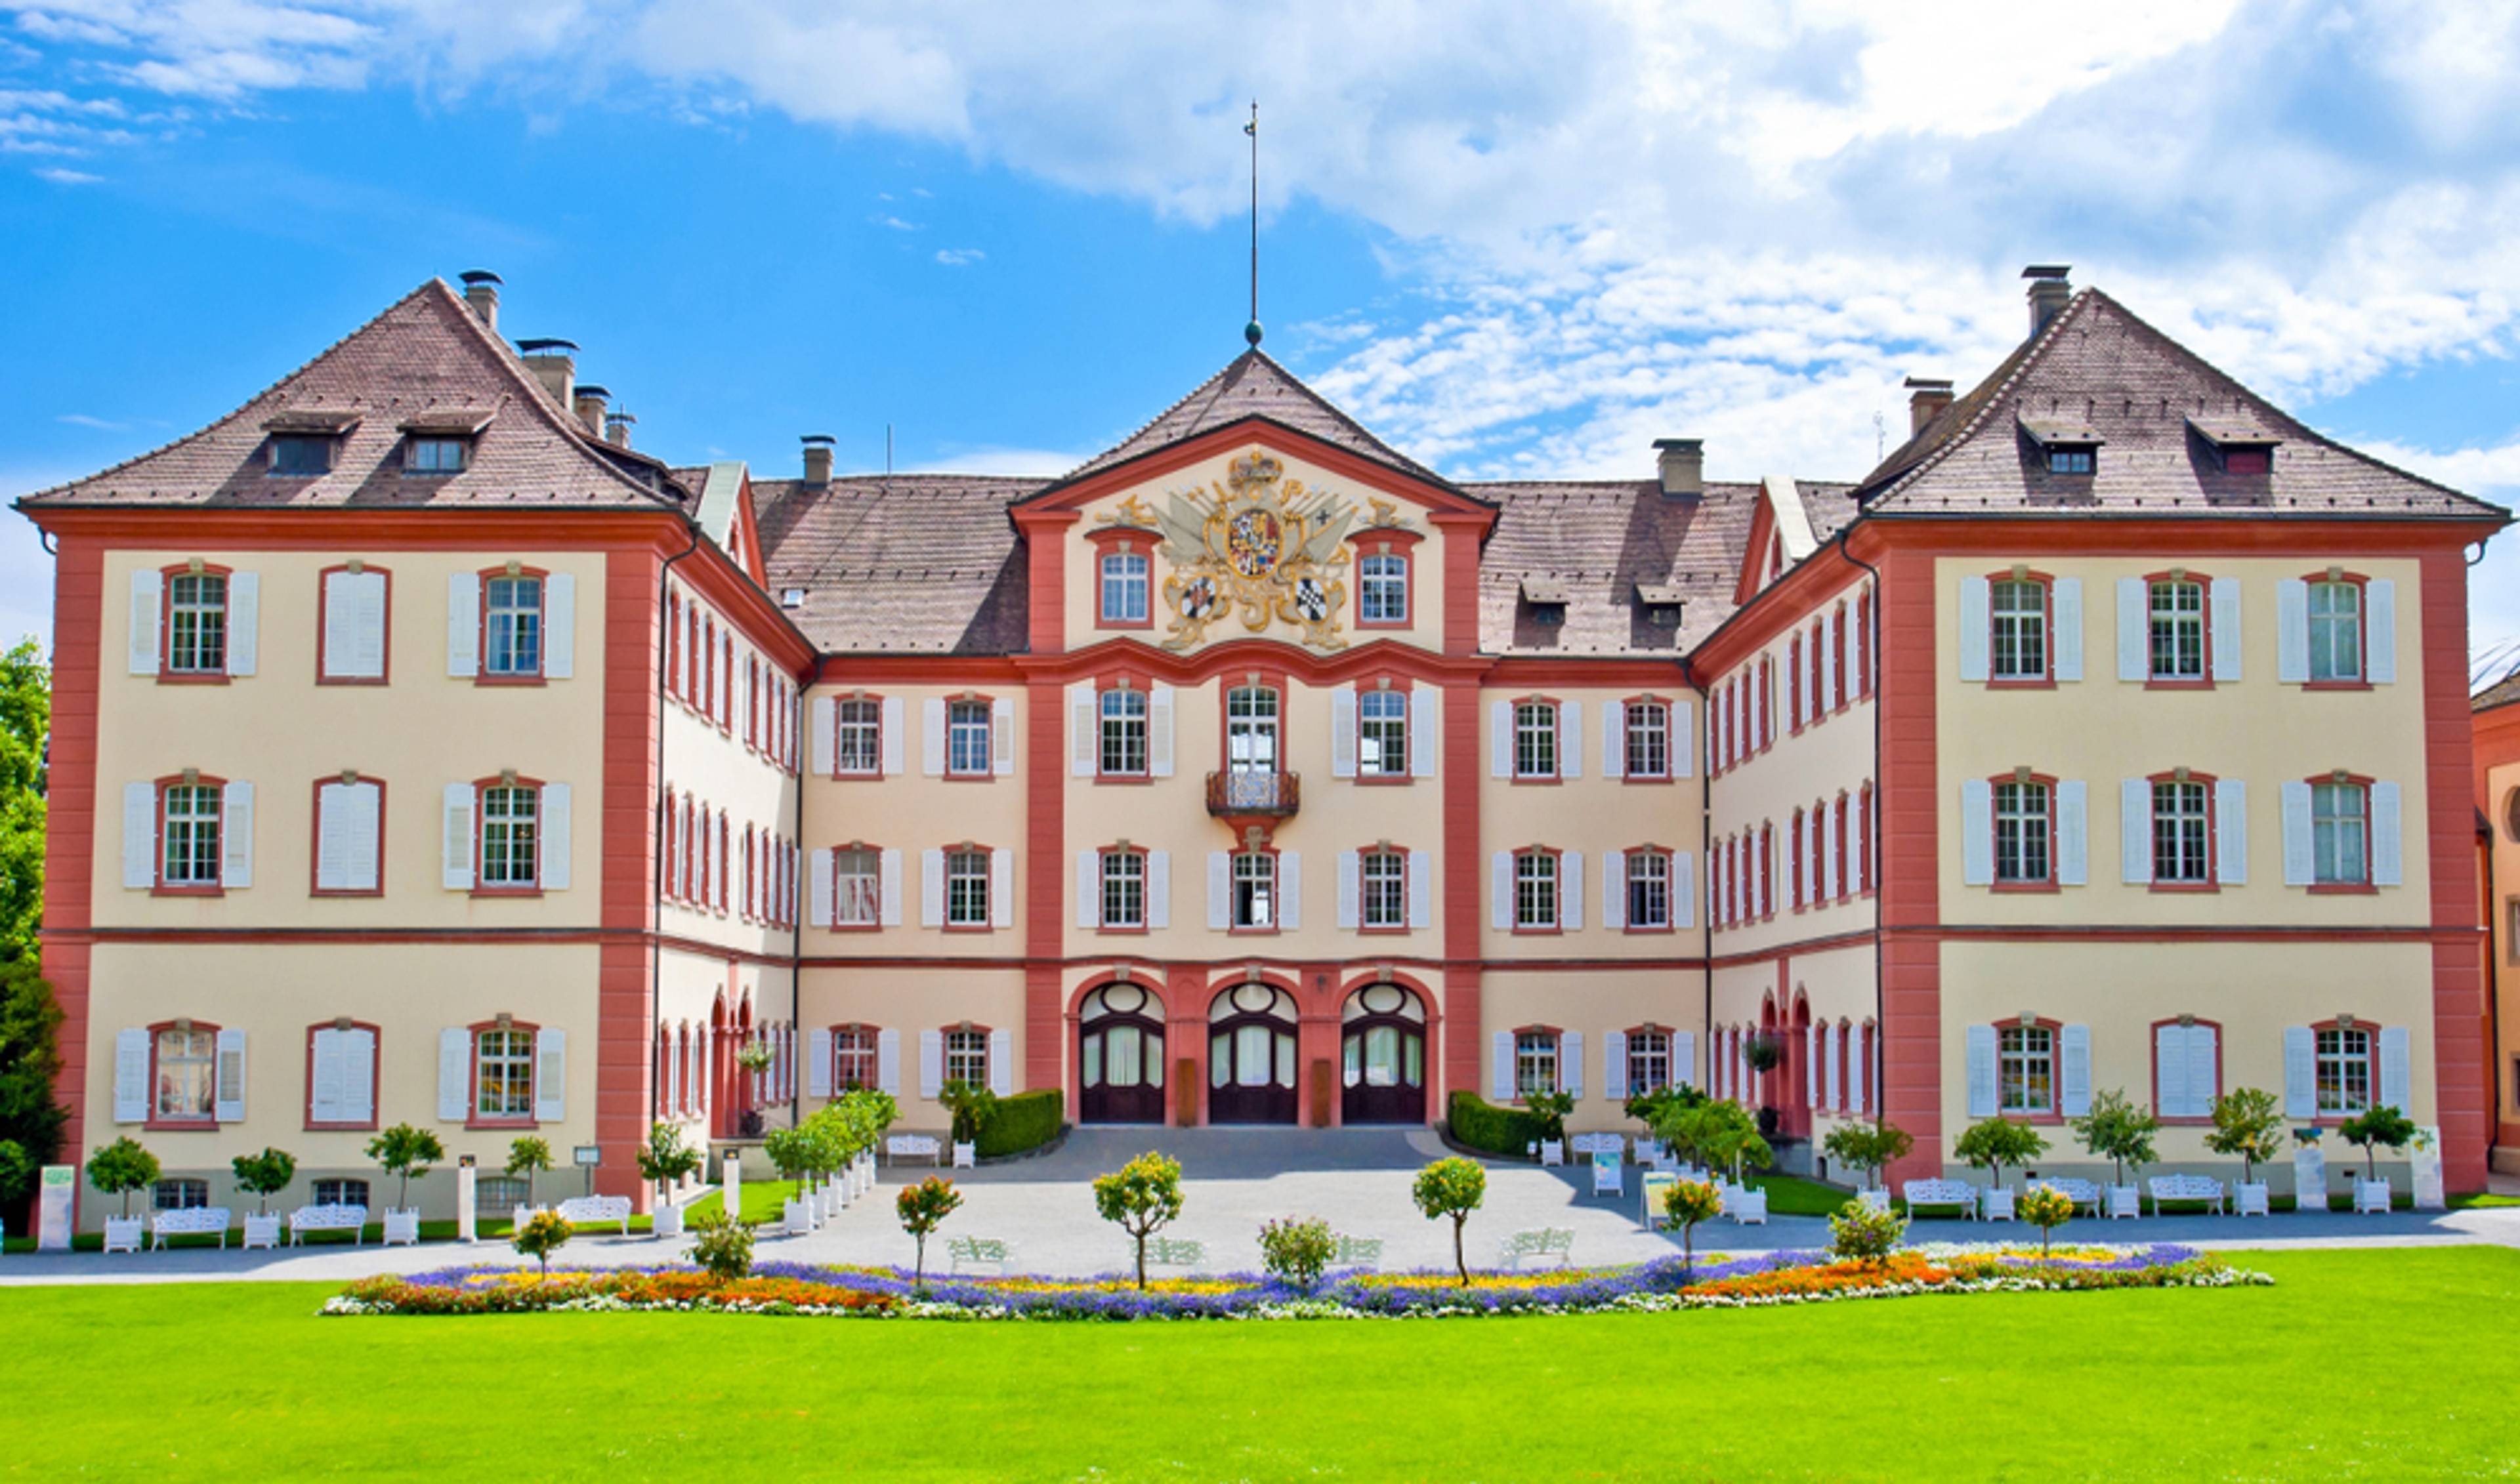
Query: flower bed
1768 1277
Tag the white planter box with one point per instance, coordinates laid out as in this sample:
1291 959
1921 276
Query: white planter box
967 1156
1997 1204
2372 1195
1875 1201
122 1233
262 1232
402 1228
2249 1200
2309 1180
2125 1202
668 1221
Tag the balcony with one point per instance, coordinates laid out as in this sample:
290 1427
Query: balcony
1238 794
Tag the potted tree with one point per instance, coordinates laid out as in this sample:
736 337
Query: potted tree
1453 1188
406 1153
2380 1128
2246 1126
1551 1108
539 1236
2121 1133
118 1169
263 1176
2309 1170
972 1106
1868 1149
1992 1143
792 1154
665 1161
527 1156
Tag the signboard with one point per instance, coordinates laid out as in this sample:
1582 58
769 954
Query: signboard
587 1153
1654 1183
2425 1155
56 1199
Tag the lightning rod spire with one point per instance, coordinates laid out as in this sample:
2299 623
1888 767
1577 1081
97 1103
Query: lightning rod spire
1251 331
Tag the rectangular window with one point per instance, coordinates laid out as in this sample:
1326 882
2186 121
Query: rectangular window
2017 640
180 1195
2178 630
1255 889
853 1057
860 736
504 1073
1649 1062
1535 739
197 624
433 456
1535 1063
1124 734
1649 888
511 626
2022 841
2344 1071
966 1057
2340 834
2069 461
1382 589
1382 734
2180 832
1648 740
2026 1069
1124 889
186 1073
1124 587
1535 890
191 835
966 737
299 454
510 817
1383 875
2336 631
340 1192
967 888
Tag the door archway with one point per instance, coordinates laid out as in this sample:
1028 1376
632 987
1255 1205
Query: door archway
1251 1056
1120 1057
1383 1057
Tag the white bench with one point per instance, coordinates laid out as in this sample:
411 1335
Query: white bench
1357 1252
1544 1242
1585 1146
305 1219
2082 1192
2204 1189
198 1221
1941 1193
975 1250
900 1147
597 1210
1175 1253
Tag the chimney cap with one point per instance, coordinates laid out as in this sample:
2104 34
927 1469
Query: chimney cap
2047 270
1683 444
823 438
544 347
619 417
472 276
1930 384
590 389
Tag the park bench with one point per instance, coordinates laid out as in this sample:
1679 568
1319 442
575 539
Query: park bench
2082 1192
1175 1253
597 1210
2204 1190
305 1219
1357 1252
1586 1145
1941 1193
1540 1243
900 1147
199 1221
975 1250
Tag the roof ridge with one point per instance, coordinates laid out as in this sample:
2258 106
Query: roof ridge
1214 388
2019 366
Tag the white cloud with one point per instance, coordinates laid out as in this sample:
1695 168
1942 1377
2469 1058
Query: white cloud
61 177
83 419
959 258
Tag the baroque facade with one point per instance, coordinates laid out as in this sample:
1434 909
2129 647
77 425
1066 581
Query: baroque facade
424 752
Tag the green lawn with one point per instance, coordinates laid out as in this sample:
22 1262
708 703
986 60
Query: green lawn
2375 1365
764 1201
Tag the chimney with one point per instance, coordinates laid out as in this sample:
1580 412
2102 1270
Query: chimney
617 429
1682 462
1927 399
554 363
589 405
818 458
481 291
2049 294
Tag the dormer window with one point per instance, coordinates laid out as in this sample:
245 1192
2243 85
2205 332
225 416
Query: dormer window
302 440
1661 603
1545 598
2240 446
2066 447
298 454
439 439
2071 460
791 597
435 456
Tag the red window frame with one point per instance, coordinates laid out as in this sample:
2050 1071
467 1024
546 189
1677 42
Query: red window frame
1116 540
2371 1030
725 854
1842 688
1395 685
673 637
1765 731
726 686
1671 738
1277 892
987 771
167 674
1994 855
857 847
1264 680
1671 890
375 1071
2153 1052
2054 1115
2047 680
1102 858
2204 680
315 838
1388 930
1794 680
1863 836
1374 542
1767 848
216 885
2362 623
1558 922
157 1123
322 585
481 675
1800 889
2365 887
875 699
1557 735
1557 1063
481 837
1863 643
872 1050
473 1118
2213 828
945 882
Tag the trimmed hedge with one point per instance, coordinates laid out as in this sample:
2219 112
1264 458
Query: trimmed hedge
1025 1121
1482 1125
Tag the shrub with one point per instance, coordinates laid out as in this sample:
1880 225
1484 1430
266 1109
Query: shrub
1143 1197
1856 1233
17 1171
406 1152
923 1208
2046 1210
1453 1188
972 1106
1551 1108
1868 1147
1481 1125
543 1233
1721 1135
1688 1203
2119 1132
264 1176
1995 1143
2382 1127
1026 1121
790 1150
528 1156
120 1168
2247 1125
871 1107
665 1160
1649 1107
723 1246
1296 1252
31 1115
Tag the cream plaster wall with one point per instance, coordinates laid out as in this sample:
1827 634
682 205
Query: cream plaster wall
1595 1002
911 1001
718 771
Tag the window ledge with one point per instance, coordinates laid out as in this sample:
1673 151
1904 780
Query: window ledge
2030 888
211 889
2336 685
507 891
2048 683
501 1123
1382 780
499 682
2185 888
2157 682
181 1125
191 678
2344 889
314 1127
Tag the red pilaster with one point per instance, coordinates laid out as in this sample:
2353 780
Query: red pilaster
625 974
1911 1070
2462 1085
69 811
1460 1056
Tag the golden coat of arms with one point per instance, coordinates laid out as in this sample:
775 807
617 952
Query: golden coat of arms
1259 545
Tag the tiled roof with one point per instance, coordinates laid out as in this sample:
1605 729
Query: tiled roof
2501 692
1598 541
899 563
1251 385
424 358
2098 372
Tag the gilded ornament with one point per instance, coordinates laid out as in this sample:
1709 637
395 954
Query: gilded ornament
1260 546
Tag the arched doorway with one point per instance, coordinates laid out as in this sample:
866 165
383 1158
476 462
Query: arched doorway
1120 1057
1383 1057
1251 1056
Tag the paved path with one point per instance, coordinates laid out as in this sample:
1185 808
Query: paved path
1235 1179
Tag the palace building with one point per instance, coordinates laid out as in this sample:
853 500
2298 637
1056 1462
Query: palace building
425 752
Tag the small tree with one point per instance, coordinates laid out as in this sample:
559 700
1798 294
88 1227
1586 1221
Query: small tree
2246 1124
1652 1107
1688 1203
665 1160
543 1233
1995 1143
1719 1135
1144 1197
528 1156
924 1208
790 1150
2046 1210
1551 1108
2119 1132
1868 1147
406 1152
120 1168
1296 1252
1453 1188
972 1106
2381 1127
722 1246
264 1176
874 1107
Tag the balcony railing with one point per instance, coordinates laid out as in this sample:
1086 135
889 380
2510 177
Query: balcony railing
1241 793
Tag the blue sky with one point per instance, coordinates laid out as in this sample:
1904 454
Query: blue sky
1516 240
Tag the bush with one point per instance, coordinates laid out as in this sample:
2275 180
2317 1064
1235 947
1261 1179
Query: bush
2118 1129
1296 1252
723 1246
542 1235
665 1160
1860 1233
2246 1125
1868 1147
407 1152
1482 1125
2046 1210
1551 1108
529 1157
972 1106
1023 1122
120 1168
1721 1135
1994 1142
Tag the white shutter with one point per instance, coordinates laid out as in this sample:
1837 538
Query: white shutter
236 837
1825 697
1570 1063
131 1076
2068 598
228 1077
1089 890
1425 730
1977 618
1349 890
2300 851
1501 1067
1684 1057
820 888
1500 739
887 889
1291 890
931 888
1570 891
551 1076
1159 888
1684 739
2301 1073
1220 891
895 721
887 1062
1830 1080
1002 736
2292 631
245 619
1683 889
2135 832
1082 739
139 835
2134 627
931 1064
2074 1070
1981 1071
1500 891
554 845
2388 846
1571 738
2204 1080
1002 1063
2226 599
1421 889
559 626
2396 1069
2232 832
827 742
462 624
358 1076
1343 733
1001 888
1614 1066
1810 1062
1830 864
818 1062
148 590
931 737
1614 895
2380 632
1159 732
454 1074
2171 1092
2073 833
1614 739
325 1068
333 804
1977 832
